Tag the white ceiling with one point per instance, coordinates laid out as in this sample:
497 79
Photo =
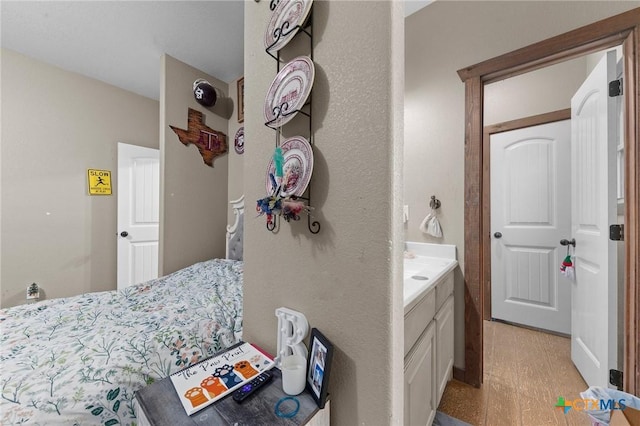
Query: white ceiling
121 42
412 6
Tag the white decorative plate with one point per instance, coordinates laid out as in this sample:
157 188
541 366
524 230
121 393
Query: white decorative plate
297 168
238 142
289 91
285 17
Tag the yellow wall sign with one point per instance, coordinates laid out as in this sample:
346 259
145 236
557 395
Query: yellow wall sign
99 182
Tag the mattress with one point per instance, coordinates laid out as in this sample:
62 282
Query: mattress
79 360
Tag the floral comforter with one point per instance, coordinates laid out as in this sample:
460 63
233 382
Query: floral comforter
79 360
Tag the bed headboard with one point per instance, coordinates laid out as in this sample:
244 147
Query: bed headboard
235 231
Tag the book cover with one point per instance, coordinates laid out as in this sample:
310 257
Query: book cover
213 378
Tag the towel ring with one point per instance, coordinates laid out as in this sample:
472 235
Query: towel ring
434 203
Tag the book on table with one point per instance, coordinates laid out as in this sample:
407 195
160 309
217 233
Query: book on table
209 380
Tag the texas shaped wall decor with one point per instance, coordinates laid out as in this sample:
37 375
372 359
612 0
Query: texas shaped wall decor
210 143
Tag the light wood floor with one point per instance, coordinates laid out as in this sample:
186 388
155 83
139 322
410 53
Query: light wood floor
525 372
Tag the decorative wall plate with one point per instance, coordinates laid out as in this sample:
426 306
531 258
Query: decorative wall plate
238 142
297 168
282 26
289 91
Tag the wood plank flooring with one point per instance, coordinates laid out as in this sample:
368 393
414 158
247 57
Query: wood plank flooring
525 371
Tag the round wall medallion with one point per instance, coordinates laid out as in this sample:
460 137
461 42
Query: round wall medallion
238 143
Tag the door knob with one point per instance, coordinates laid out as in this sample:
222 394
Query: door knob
498 235
565 242
124 234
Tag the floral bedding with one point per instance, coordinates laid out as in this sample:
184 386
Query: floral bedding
79 360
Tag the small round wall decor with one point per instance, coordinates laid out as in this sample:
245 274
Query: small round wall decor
239 141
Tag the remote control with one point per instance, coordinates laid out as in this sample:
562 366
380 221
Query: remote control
249 388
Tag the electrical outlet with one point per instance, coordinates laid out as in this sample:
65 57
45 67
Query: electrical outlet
33 292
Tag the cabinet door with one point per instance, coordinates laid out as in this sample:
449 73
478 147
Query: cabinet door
444 345
420 380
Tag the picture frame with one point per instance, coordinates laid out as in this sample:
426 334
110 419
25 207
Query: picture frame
241 100
319 367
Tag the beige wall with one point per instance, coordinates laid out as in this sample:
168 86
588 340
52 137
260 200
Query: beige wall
544 90
55 126
55 234
236 161
440 39
342 278
193 196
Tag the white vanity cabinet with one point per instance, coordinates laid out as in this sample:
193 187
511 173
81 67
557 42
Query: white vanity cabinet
444 346
419 380
428 354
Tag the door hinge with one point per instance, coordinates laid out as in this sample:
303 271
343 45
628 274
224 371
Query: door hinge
615 378
616 232
615 88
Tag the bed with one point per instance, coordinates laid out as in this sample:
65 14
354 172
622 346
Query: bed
79 360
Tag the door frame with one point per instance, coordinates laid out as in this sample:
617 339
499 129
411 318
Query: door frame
622 29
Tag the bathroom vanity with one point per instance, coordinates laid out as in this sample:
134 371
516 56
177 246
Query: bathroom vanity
428 328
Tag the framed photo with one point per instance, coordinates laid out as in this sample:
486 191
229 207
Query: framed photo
319 367
241 100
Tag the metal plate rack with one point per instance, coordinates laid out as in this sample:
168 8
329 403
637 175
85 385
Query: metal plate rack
282 110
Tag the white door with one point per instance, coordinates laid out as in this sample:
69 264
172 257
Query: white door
530 213
594 296
138 214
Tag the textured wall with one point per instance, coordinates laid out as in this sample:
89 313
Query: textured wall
341 279
56 125
193 195
440 39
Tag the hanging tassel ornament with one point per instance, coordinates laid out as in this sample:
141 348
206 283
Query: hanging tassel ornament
269 206
279 203
278 161
567 268
291 209
274 184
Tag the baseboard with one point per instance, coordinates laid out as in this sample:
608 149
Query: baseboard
458 374
542 330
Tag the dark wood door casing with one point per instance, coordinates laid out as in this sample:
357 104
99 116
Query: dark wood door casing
621 29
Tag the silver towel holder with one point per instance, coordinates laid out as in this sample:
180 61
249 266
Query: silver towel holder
434 203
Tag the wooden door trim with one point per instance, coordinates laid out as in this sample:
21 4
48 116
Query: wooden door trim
521 123
632 211
623 28
584 40
474 89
